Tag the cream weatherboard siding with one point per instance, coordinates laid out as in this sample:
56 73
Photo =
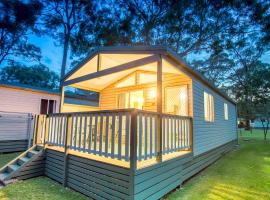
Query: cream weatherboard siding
25 101
208 135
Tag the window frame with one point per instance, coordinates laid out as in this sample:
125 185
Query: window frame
48 106
129 92
209 106
165 97
226 111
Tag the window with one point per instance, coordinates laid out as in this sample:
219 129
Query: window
208 107
176 100
226 114
47 106
132 99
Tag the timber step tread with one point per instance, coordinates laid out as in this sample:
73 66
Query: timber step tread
10 169
14 167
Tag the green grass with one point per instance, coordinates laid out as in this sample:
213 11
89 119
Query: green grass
38 188
6 157
241 174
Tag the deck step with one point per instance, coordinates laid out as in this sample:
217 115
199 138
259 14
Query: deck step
4 175
32 153
13 168
22 160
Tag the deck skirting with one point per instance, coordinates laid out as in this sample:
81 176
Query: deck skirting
104 181
9 146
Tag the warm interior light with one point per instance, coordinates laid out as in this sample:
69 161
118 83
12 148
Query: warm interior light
182 96
153 93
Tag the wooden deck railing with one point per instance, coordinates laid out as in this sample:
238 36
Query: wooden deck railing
127 135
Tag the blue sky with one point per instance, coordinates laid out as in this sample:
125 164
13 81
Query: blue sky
52 53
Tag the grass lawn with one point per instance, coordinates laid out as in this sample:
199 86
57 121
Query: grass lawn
242 174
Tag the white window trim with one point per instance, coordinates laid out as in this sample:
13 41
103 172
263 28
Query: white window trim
226 111
208 101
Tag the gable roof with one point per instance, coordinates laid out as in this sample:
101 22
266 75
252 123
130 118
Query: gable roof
29 87
162 50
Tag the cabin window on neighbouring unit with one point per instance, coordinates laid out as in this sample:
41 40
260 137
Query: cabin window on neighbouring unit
226 114
130 81
208 107
47 106
176 100
132 99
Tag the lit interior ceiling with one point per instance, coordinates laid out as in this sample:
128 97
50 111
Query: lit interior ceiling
112 60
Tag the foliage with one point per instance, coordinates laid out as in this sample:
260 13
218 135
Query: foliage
251 88
17 18
64 20
37 75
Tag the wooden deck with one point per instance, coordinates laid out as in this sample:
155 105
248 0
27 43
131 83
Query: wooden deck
116 136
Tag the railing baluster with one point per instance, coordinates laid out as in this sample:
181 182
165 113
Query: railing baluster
55 130
145 136
65 131
100 134
113 135
178 128
156 135
168 134
107 134
60 131
140 137
175 133
90 134
171 128
71 132
151 135
182 134
120 136
75 133
50 130
96 130
163 135
80 133
85 129
127 137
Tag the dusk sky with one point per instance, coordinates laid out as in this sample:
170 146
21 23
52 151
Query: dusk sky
52 54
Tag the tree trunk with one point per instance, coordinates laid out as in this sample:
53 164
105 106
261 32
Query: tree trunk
64 59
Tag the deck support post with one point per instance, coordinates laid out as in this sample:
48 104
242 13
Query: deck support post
133 150
159 109
35 129
46 131
66 148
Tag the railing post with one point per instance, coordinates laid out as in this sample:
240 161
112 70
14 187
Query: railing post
191 133
46 131
35 129
159 109
66 148
133 150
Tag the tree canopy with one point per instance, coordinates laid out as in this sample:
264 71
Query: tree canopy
224 40
17 20
37 75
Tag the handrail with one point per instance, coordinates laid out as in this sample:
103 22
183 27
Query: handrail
128 135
